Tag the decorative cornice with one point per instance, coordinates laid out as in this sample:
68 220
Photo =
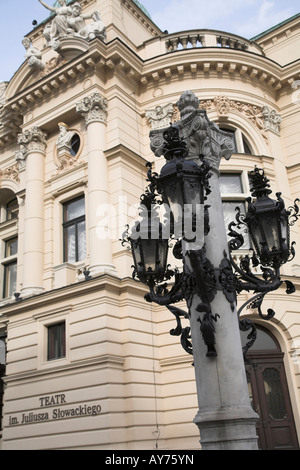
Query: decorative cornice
93 108
223 106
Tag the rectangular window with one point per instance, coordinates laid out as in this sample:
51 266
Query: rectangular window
230 183
233 196
12 209
74 230
10 279
56 341
9 266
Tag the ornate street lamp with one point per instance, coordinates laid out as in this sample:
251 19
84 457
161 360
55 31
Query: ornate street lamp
268 223
184 184
148 244
210 278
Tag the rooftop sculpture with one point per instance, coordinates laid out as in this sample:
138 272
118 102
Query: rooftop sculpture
70 21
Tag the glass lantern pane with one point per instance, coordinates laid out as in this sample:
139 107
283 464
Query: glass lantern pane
173 193
285 231
149 252
270 228
135 246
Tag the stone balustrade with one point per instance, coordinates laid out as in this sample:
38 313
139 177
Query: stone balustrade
208 38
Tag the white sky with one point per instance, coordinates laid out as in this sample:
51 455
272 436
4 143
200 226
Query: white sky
244 17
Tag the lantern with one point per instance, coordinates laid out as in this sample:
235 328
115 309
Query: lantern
148 245
183 184
268 222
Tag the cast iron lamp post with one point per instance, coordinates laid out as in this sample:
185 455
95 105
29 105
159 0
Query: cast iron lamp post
210 279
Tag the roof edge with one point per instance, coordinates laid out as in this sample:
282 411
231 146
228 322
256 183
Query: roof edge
264 33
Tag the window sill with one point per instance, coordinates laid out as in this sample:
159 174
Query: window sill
68 273
8 223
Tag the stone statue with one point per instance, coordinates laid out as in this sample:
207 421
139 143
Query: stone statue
78 27
161 116
58 27
33 55
69 21
63 144
65 136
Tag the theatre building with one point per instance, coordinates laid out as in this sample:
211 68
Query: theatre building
86 362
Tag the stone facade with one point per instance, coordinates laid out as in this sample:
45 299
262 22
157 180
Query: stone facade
123 382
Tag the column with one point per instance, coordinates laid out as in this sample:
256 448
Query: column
33 143
94 110
225 419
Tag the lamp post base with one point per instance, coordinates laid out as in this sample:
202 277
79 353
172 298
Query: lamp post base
227 428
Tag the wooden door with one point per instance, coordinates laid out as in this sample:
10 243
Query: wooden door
268 390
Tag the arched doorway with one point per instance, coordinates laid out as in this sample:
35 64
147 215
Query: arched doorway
269 393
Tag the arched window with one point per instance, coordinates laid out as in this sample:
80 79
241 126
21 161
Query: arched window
241 144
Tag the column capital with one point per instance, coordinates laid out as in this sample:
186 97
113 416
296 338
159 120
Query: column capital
93 108
32 141
202 136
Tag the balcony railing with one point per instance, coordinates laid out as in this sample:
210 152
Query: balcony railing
208 38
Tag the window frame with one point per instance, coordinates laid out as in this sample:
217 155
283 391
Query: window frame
44 320
61 330
240 139
69 223
238 197
14 211
6 262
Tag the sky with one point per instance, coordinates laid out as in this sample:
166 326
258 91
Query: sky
246 18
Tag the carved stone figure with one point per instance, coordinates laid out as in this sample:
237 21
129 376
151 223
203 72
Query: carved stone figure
65 136
69 21
272 120
58 27
33 55
161 116
78 27
64 144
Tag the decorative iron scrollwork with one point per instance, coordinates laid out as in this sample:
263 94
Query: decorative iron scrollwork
236 278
